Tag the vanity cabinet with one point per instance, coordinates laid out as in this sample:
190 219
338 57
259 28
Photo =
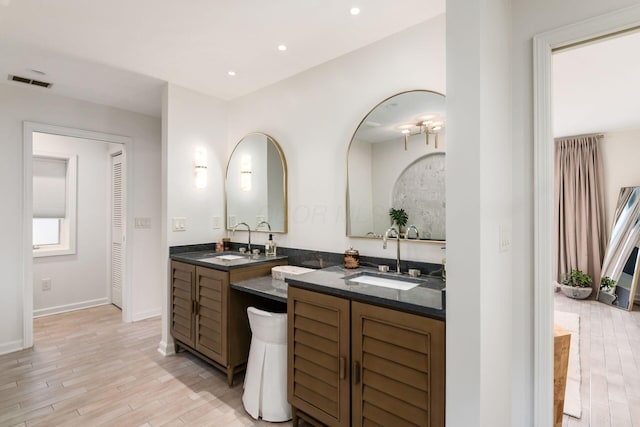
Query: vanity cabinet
351 363
210 320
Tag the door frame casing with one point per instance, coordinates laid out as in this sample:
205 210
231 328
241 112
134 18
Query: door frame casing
26 282
543 46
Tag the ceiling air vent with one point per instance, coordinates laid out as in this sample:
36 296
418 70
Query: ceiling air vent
30 81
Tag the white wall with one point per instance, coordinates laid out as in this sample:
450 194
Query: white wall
479 353
34 104
620 153
195 120
529 18
313 116
78 280
190 120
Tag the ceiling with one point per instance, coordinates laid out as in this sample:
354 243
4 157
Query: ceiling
596 87
121 52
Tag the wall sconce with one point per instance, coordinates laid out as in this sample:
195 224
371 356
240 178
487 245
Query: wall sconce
200 161
245 173
427 125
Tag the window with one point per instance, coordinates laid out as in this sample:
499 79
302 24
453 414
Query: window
54 204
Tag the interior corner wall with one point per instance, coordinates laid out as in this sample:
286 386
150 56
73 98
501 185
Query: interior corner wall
620 151
78 280
530 18
18 104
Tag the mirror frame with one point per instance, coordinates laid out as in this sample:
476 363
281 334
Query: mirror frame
347 204
284 183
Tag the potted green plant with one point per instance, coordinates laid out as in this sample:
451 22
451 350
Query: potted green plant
576 284
398 217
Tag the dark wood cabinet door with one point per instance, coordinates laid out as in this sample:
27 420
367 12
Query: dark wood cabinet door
182 302
318 356
398 373
212 287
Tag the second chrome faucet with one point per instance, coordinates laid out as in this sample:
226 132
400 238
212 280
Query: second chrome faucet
384 245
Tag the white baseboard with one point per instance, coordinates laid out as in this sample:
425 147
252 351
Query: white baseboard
166 349
11 346
147 314
70 307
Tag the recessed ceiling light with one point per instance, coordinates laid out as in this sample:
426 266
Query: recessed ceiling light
282 47
354 11
231 73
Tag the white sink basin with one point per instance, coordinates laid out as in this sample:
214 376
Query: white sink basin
385 282
229 257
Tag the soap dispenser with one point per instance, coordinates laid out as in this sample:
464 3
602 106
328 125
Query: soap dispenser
270 246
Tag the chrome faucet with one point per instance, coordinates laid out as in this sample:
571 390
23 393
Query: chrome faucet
384 245
409 228
263 222
248 229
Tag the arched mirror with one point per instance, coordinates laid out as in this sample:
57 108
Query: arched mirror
620 266
396 168
256 184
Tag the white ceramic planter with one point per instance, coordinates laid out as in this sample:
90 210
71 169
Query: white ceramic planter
575 292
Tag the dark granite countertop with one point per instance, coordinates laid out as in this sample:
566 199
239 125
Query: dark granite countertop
427 299
210 259
264 286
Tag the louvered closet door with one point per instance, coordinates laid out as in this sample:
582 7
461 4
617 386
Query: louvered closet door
118 215
211 313
182 302
398 368
318 356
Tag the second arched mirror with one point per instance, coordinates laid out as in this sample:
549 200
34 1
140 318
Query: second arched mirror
256 184
396 168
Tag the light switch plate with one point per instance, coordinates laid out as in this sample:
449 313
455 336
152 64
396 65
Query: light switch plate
179 223
142 222
504 238
46 284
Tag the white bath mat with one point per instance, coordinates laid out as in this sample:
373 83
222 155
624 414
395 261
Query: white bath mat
572 400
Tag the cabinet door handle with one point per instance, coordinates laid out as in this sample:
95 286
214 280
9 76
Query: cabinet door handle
343 368
356 373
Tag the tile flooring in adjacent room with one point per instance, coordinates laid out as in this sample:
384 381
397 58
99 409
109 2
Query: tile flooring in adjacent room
610 363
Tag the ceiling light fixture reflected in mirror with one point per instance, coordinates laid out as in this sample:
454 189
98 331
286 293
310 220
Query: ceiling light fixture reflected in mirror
426 125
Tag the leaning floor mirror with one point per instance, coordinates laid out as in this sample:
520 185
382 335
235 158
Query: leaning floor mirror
620 266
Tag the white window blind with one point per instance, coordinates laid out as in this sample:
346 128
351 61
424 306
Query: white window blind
49 187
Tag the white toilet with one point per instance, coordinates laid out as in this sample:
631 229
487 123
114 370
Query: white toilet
265 381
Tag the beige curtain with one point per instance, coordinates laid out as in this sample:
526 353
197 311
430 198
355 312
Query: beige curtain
579 201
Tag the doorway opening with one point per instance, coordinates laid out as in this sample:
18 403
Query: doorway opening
544 44
75 223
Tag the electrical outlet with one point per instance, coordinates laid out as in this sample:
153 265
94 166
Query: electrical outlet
260 218
217 223
46 284
232 221
179 224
